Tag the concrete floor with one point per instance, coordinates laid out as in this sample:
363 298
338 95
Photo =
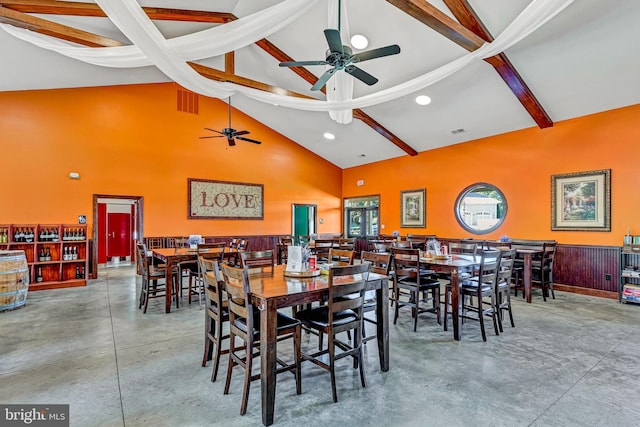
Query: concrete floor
572 361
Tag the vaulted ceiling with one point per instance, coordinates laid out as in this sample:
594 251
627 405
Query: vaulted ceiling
583 61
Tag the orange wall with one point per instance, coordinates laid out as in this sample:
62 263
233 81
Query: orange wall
131 140
520 164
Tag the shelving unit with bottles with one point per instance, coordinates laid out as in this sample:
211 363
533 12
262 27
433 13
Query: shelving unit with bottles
56 253
630 270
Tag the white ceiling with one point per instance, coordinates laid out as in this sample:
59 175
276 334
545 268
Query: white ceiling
584 61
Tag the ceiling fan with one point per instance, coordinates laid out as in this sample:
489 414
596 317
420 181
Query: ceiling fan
341 57
230 133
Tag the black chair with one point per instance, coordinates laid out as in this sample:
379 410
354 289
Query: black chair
409 281
216 314
244 323
480 287
343 313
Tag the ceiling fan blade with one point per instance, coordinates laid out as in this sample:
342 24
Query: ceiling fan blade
249 140
231 142
361 75
213 130
323 79
377 53
212 136
333 40
242 132
302 63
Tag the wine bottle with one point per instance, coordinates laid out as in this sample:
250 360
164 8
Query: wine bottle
39 275
41 256
56 237
77 271
47 255
75 252
82 272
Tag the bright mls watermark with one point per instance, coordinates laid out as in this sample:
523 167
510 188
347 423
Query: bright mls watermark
34 415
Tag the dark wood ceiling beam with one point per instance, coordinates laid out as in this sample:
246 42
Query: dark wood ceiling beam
222 76
91 9
54 29
464 13
311 78
230 62
470 34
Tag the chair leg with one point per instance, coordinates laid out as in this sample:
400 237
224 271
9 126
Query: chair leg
494 315
415 310
297 338
497 310
230 363
332 368
436 303
481 319
217 352
208 343
447 301
247 379
513 325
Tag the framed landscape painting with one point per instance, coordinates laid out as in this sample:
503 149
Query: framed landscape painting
581 201
412 208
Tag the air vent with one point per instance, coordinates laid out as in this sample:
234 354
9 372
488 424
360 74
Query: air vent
188 102
457 131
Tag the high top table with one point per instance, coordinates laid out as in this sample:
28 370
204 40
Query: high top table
171 257
269 292
451 266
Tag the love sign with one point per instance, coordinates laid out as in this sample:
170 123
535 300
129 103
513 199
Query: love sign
225 200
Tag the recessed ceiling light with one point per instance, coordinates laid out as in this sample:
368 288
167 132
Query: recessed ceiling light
362 155
423 100
328 135
359 41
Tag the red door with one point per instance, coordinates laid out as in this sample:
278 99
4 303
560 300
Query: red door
118 234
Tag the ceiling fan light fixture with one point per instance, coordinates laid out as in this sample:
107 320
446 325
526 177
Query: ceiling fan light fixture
359 41
329 136
423 100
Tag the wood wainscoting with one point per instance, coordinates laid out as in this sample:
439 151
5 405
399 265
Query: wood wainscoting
589 270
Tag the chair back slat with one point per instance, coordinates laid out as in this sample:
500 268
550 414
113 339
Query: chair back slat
380 263
258 259
236 283
341 256
347 293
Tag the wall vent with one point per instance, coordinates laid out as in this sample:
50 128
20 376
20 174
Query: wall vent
188 102
457 131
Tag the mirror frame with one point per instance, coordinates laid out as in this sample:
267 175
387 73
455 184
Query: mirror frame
469 189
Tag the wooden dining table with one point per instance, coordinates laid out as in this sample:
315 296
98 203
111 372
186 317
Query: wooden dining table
453 265
272 291
171 257
527 255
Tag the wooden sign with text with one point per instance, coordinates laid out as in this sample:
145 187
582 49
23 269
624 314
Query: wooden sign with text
225 200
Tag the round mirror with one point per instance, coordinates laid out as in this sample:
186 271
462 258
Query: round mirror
480 208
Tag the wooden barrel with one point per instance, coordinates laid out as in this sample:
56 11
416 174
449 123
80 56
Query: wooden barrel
14 279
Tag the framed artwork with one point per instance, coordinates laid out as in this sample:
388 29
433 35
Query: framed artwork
581 201
413 208
224 200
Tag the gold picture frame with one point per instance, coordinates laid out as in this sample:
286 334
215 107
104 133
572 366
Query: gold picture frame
209 199
413 208
581 201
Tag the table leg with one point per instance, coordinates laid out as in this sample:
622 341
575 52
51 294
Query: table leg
168 280
527 276
382 323
268 328
456 304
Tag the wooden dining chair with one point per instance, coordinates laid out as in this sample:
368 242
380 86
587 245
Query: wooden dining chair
379 263
244 323
151 276
542 270
258 259
503 286
340 256
482 287
321 249
209 251
216 314
343 312
409 281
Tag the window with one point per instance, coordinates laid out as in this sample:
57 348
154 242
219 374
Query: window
361 216
480 208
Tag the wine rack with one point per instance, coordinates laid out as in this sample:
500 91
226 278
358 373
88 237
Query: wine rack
57 254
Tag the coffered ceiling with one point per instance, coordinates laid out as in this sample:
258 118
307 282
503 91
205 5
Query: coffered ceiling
583 61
